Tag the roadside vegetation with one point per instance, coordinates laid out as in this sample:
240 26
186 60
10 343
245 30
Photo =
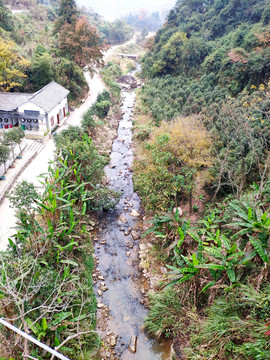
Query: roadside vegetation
46 273
202 172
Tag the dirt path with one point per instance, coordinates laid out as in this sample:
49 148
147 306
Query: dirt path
40 164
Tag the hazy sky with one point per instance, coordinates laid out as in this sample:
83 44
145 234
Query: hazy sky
115 8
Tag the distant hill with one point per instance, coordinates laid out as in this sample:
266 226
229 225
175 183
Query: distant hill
112 9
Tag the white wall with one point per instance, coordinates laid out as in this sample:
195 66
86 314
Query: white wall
30 106
55 111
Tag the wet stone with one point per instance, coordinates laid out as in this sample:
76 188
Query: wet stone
113 341
132 347
103 288
123 219
126 233
134 235
134 213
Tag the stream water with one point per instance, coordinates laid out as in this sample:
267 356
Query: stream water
117 252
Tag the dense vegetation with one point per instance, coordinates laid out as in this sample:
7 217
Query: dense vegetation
46 274
202 171
53 41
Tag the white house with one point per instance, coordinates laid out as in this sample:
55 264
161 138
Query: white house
40 112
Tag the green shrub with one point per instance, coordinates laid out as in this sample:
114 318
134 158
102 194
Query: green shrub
164 316
233 327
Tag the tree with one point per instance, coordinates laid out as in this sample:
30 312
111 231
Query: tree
12 66
81 43
23 196
12 137
241 151
42 72
67 14
6 21
190 143
174 155
18 134
70 76
102 108
4 154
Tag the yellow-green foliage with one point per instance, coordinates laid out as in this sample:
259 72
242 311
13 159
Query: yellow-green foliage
12 66
190 143
171 158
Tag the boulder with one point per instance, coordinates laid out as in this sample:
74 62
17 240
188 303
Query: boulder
134 213
127 81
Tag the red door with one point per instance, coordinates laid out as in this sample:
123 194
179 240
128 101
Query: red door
58 119
64 111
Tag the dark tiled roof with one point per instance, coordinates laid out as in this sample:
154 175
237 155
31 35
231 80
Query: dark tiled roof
46 98
49 96
11 101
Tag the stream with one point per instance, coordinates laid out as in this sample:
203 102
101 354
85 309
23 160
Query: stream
121 284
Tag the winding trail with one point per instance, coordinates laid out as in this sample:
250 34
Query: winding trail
40 164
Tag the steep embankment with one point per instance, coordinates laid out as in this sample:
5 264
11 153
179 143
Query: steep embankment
202 172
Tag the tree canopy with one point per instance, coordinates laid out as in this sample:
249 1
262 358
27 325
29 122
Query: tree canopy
81 43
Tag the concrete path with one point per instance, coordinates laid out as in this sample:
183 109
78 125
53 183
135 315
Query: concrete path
40 163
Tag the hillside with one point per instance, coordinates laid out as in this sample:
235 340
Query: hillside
38 39
202 172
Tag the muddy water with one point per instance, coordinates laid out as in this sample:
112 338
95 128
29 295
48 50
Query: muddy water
118 252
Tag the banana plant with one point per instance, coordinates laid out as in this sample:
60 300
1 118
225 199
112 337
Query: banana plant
256 226
187 266
224 257
38 329
250 220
